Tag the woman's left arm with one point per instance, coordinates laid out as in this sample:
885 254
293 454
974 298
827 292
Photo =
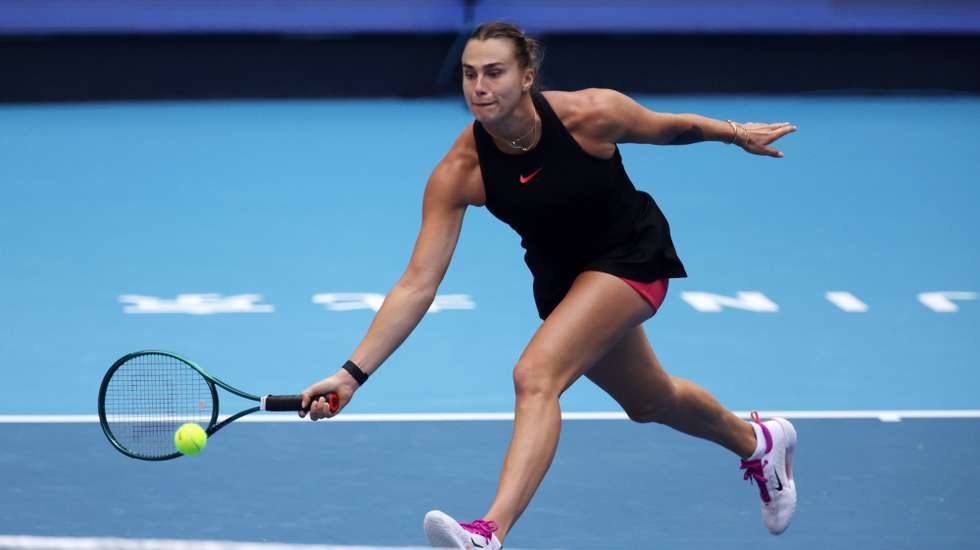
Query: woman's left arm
619 119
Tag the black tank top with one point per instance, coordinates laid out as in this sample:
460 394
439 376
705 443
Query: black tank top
574 212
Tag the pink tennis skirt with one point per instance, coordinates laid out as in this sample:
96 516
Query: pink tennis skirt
653 292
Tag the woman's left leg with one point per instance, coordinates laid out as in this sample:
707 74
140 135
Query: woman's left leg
595 314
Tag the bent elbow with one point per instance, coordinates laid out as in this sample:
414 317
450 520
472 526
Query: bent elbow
419 285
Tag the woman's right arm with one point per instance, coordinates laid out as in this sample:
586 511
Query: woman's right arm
443 205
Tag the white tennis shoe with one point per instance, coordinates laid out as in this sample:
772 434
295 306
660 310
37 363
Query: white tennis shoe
773 473
445 532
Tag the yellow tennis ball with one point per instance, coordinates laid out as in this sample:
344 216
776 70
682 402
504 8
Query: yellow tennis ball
190 439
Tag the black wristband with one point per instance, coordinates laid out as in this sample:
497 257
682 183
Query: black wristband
356 372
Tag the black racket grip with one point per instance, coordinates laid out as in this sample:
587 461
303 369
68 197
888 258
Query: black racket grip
295 402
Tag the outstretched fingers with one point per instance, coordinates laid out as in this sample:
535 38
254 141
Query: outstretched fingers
779 131
762 134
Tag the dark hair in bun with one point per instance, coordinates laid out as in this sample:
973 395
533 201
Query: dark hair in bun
529 52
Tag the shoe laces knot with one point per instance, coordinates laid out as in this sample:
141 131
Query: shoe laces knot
753 472
480 527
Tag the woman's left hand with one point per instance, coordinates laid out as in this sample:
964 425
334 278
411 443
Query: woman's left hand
755 137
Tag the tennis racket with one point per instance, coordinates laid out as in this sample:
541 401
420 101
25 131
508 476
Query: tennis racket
145 396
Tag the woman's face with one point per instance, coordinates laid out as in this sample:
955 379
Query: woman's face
493 81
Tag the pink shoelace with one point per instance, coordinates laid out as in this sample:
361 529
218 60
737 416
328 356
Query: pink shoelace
479 527
753 468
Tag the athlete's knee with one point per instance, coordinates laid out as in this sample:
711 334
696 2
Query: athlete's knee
534 376
657 408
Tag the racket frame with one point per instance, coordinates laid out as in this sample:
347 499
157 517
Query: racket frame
213 424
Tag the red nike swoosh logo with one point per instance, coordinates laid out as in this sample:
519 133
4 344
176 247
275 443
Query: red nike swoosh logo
531 177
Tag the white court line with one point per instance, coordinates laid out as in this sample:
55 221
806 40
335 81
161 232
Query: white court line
73 543
883 415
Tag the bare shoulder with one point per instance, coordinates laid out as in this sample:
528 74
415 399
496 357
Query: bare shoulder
588 115
582 101
585 107
571 107
457 176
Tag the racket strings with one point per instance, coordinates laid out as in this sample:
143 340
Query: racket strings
149 397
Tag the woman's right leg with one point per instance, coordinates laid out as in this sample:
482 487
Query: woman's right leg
633 376
595 314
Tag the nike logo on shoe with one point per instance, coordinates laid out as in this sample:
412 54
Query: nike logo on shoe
477 544
525 179
779 482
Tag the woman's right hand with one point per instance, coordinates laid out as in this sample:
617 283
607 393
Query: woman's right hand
342 384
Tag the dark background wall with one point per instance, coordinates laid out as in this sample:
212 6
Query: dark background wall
70 50
116 67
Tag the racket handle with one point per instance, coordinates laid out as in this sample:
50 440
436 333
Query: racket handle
295 402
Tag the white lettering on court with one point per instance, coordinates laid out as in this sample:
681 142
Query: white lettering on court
348 301
195 304
452 301
847 302
942 302
713 303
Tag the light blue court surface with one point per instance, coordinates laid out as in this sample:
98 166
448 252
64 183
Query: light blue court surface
256 237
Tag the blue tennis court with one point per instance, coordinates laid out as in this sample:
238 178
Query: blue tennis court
837 285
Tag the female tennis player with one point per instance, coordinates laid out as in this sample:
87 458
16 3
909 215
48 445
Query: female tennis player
601 255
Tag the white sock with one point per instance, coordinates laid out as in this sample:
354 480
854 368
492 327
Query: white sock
760 442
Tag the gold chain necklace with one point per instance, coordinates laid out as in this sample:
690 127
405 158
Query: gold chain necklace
515 143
